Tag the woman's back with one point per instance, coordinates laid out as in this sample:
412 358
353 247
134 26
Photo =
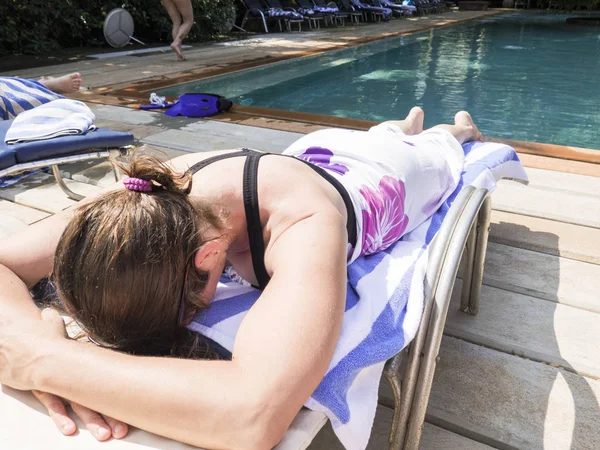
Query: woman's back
288 192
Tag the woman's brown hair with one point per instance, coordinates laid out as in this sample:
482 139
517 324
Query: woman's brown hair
121 263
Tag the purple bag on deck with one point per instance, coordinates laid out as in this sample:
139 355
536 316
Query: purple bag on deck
199 105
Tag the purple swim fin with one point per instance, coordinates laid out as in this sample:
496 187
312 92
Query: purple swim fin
199 105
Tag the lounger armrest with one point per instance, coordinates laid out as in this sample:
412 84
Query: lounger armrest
410 373
452 250
256 10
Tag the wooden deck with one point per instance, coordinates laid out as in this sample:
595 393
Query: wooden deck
523 374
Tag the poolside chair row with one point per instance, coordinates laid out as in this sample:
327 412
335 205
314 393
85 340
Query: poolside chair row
317 12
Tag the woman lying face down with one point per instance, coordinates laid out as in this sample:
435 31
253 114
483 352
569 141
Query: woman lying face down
133 265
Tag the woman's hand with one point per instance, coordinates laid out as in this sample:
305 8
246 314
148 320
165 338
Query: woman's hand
101 427
25 342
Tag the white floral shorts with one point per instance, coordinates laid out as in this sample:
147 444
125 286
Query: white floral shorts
395 181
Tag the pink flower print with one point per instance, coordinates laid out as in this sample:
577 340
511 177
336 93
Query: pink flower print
384 221
321 157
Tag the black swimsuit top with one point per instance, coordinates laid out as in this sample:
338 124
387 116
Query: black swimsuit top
250 193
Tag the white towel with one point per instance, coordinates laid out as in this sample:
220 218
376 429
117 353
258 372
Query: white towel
384 305
62 117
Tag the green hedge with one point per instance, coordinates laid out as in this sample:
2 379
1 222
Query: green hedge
40 26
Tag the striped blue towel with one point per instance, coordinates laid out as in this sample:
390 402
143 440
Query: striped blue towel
21 94
384 305
57 118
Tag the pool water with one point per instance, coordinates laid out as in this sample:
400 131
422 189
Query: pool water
522 76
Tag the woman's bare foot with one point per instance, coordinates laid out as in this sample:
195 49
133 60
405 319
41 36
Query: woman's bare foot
180 46
413 124
464 119
415 121
176 45
63 85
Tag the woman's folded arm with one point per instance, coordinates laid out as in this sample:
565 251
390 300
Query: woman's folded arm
282 351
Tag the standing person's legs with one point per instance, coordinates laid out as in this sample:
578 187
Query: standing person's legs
187 13
176 20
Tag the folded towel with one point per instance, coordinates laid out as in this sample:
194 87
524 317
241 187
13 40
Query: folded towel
384 305
57 118
21 94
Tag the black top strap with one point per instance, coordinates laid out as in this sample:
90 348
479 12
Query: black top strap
250 193
251 206
351 222
202 164
255 234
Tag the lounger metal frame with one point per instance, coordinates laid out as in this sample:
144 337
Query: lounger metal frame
54 163
410 373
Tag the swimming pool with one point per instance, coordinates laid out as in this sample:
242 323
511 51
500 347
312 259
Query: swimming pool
523 76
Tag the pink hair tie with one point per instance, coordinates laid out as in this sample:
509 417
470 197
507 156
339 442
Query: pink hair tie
137 184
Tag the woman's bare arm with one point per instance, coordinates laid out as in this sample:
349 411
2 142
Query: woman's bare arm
29 253
25 258
282 351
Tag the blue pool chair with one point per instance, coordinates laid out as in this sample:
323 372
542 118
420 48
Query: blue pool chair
377 13
288 15
307 8
347 8
98 144
398 10
332 9
285 16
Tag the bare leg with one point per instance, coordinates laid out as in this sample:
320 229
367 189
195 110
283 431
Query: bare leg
464 129
176 19
413 124
63 85
187 13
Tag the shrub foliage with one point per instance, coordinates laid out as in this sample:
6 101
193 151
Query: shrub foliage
40 26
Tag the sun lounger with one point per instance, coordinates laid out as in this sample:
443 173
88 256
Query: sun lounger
98 144
307 8
399 10
377 13
427 6
347 8
332 9
283 16
289 15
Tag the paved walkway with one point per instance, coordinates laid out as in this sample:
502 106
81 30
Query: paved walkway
103 72
524 373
